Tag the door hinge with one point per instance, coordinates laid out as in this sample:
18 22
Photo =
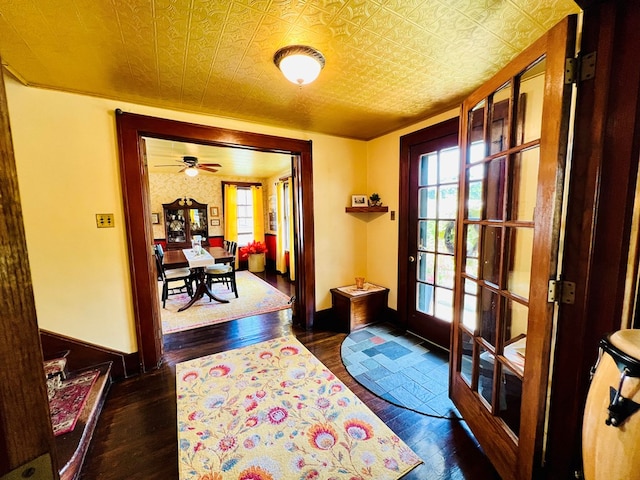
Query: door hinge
561 292
582 67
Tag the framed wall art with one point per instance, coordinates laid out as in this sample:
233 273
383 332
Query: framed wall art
359 201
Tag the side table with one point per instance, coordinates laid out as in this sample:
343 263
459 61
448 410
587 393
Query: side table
354 308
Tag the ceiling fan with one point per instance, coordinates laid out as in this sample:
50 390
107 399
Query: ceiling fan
191 166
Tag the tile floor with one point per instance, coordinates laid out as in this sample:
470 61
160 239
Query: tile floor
401 368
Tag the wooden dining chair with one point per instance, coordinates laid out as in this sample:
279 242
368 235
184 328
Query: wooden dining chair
224 273
172 275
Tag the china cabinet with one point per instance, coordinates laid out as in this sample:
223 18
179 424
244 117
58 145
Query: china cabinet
184 218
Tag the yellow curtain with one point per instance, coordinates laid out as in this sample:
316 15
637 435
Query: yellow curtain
281 266
292 256
231 213
258 213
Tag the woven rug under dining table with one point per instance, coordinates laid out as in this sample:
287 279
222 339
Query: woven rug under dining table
273 411
256 297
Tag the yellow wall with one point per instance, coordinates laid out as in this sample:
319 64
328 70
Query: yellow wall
383 177
67 160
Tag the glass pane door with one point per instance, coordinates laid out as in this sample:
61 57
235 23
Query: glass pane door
511 165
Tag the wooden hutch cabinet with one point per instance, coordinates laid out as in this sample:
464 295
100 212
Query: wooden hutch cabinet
183 219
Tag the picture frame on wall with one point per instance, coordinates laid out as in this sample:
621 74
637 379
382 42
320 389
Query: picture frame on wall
359 201
215 222
155 218
214 211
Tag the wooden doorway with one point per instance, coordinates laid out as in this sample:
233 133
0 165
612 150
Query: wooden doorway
511 183
429 166
134 176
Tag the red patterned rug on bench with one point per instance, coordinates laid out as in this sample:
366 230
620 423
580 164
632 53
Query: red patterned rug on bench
67 403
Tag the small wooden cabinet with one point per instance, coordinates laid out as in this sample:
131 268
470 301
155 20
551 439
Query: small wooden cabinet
183 219
358 309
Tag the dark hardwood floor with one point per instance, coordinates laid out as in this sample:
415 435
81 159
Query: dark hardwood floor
136 436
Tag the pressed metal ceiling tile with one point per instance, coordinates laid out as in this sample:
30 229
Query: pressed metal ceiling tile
389 63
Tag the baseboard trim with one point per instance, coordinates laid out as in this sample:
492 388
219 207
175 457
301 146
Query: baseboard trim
83 354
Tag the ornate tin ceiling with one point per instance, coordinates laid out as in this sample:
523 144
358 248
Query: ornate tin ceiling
389 63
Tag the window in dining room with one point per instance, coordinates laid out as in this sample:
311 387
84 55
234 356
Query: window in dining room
245 216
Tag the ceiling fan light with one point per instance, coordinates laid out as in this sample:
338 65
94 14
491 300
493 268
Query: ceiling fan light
191 171
299 64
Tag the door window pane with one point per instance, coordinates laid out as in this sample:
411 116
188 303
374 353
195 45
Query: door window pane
446 271
520 257
477 149
510 399
516 323
489 315
495 188
426 267
529 108
444 304
525 182
447 236
491 254
428 169
466 365
427 207
471 263
474 204
499 131
448 201
449 165
424 298
470 309
485 375
427 235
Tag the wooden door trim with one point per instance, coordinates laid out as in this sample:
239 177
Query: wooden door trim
137 215
599 218
433 132
25 424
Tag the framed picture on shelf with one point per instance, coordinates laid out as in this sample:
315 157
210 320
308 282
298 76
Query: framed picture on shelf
155 218
214 211
359 201
215 222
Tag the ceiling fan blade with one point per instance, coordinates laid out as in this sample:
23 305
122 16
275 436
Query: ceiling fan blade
182 169
212 170
210 164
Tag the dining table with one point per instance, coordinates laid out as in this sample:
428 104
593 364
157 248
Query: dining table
197 262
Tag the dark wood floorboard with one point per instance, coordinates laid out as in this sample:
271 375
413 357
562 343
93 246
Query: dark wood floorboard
136 436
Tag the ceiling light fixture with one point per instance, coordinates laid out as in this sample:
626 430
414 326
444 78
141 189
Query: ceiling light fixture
191 171
299 64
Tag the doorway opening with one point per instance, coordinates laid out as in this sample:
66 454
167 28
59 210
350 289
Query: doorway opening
137 213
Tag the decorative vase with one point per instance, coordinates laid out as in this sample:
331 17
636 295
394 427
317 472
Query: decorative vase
256 262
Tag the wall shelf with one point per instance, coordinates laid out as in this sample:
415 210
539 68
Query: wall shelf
366 209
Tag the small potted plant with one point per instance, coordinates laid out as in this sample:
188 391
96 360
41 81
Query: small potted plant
375 200
254 252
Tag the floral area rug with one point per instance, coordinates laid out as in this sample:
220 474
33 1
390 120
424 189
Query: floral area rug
66 405
255 296
273 411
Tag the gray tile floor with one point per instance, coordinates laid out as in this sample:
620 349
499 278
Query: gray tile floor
401 368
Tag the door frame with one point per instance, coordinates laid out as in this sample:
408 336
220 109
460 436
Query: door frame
137 215
427 134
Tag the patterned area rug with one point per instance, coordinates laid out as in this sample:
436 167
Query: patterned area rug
66 405
255 296
273 411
